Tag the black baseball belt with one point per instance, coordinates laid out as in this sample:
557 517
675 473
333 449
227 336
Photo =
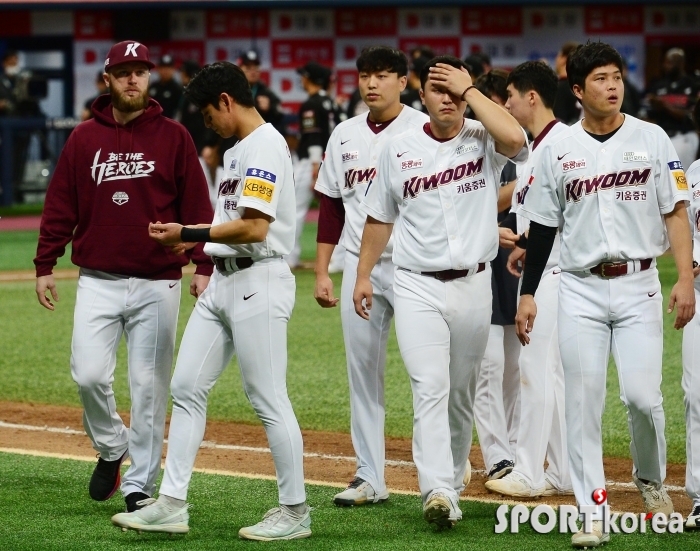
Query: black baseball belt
616 269
232 263
449 275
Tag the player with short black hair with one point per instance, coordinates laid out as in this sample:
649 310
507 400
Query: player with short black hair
537 76
245 312
584 59
615 188
437 189
375 59
215 79
347 172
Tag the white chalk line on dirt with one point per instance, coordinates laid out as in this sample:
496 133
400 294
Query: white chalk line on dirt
229 447
205 444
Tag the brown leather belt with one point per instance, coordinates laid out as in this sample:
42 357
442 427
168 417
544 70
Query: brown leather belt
449 275
615 269
223 263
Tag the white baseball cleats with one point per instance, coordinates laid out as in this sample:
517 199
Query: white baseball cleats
467 474
155 516
656 500
280 523
359 492
442 509
513 484
595 538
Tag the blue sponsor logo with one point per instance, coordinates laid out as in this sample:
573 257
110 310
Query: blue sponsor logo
675 165
258 173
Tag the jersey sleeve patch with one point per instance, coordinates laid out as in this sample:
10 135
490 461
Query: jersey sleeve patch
258 173
677 171
260 189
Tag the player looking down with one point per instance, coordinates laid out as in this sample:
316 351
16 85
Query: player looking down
346 173
245 311
437 187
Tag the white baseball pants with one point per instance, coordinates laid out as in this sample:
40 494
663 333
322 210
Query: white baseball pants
442 328
542 430
621 314
304 193
365 352
225 322
691 388
497 398
145 311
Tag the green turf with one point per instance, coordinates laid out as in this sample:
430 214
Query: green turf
45 507
18 249
35 352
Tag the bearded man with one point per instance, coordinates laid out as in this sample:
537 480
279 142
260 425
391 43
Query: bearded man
127 166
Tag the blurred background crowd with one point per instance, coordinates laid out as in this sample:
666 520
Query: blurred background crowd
300 66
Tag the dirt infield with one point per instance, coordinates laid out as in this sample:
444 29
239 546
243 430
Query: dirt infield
329 455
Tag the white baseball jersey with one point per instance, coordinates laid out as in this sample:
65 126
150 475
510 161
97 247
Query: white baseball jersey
609 198
259 175
693 178
350 165
525 179
440 193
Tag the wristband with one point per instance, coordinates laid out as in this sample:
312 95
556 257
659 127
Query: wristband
522 242
465 92
194 235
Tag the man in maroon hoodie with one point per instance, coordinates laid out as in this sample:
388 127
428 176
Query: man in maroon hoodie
117 172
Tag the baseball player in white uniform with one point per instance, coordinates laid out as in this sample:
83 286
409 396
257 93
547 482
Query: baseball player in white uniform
615 187
691 357
439 185
531 93
244 311
347 170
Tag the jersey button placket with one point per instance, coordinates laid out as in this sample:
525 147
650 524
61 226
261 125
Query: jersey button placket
451 223
605 205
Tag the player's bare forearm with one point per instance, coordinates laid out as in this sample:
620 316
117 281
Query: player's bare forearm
241 231
505 195
43 284
682 294
375 237
498 122
323 291
525 318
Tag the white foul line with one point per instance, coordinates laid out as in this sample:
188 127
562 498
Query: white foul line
207 444
213 445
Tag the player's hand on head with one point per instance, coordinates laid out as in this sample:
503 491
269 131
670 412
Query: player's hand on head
682 297
525 318
516 262
43 284
165 234
455 80
323 292
362 297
